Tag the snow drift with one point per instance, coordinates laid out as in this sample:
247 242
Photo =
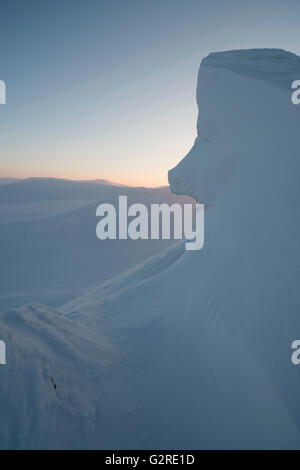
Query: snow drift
209 334
52 386
201 340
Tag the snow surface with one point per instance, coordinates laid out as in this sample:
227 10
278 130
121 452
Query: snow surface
53 385
195 346
48 246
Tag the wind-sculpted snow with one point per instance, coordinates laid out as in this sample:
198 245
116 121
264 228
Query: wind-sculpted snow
275 66
245 127
208 339
200 341
52 387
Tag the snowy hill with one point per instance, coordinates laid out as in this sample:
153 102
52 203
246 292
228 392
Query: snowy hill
48 245
4 181
197 344
41 189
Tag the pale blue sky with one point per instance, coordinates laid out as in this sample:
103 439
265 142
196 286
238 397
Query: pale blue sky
106 89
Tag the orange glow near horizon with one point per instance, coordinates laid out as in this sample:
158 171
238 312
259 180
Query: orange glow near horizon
149 182
118 161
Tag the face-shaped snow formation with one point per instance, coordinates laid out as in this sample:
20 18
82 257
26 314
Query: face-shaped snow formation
247 128
205 336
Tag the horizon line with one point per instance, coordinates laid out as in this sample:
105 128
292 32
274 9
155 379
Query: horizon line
84 180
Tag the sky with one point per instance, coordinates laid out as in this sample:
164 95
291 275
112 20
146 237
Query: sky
107 89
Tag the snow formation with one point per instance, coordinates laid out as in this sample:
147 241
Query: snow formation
197 344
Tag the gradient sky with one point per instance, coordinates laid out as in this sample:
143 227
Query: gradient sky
106 89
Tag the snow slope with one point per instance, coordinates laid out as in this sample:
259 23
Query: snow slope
48 245
190 375
207 337
52 387
198 342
